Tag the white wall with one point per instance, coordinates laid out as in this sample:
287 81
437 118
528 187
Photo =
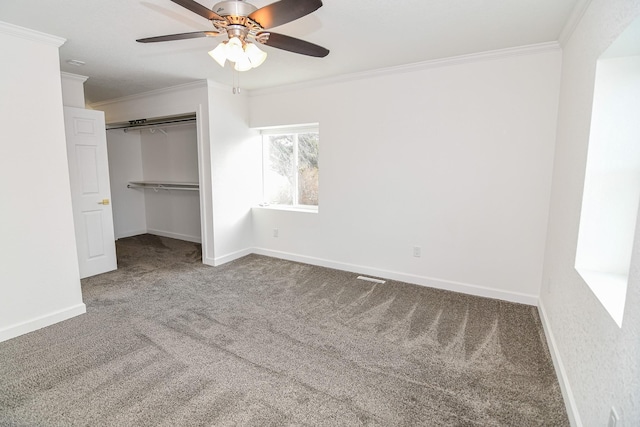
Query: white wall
237 171
125 164
39 277
599 362
455 158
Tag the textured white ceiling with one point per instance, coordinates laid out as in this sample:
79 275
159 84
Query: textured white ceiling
362 35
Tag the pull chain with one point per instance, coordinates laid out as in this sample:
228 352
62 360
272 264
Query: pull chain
236 82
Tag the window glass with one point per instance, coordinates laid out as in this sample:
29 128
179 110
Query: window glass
291 167
308 168
278 170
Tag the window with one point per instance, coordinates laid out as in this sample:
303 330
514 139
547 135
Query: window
290 166
612 178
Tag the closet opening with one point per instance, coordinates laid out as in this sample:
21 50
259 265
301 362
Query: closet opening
155 177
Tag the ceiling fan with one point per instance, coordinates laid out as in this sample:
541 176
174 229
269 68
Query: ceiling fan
243 23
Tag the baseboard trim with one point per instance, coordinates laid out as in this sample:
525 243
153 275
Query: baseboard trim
130 234
41 322
561 373
178 236
448 285
231 257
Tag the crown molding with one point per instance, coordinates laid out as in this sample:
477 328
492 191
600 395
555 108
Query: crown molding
178 88
455 60
217 85
75 77
32 35
574 19
418 66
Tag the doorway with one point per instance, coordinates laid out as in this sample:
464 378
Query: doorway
155 177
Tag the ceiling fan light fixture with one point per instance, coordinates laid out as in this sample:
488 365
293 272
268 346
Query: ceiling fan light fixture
219 54
245 55
255 55
243 64
242 22
234 50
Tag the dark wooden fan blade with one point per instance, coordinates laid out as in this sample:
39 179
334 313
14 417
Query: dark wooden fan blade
295 45
284 11
196 7
181 36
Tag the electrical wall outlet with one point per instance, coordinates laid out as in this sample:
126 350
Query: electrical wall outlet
614 419
275 232
417 251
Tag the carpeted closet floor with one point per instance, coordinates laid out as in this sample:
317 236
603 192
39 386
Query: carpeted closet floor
168 341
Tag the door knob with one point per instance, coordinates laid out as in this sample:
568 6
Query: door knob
104 202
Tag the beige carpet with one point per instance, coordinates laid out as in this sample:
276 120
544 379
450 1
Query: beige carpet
167 341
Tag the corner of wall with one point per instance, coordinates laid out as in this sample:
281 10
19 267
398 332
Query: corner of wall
229 257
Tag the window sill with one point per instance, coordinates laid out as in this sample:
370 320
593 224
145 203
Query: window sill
610 289
310 209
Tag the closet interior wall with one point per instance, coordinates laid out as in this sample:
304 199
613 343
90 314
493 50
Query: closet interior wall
165 155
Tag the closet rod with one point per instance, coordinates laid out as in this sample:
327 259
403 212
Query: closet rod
159 127
144 124
155 186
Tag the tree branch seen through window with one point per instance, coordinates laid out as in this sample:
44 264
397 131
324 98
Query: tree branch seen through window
291 168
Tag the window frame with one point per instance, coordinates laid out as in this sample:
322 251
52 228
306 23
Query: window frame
289 130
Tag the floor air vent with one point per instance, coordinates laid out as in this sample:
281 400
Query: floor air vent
370 279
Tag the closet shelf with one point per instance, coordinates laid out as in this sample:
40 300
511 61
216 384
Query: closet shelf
164 185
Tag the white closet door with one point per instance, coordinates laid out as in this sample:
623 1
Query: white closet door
90 191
